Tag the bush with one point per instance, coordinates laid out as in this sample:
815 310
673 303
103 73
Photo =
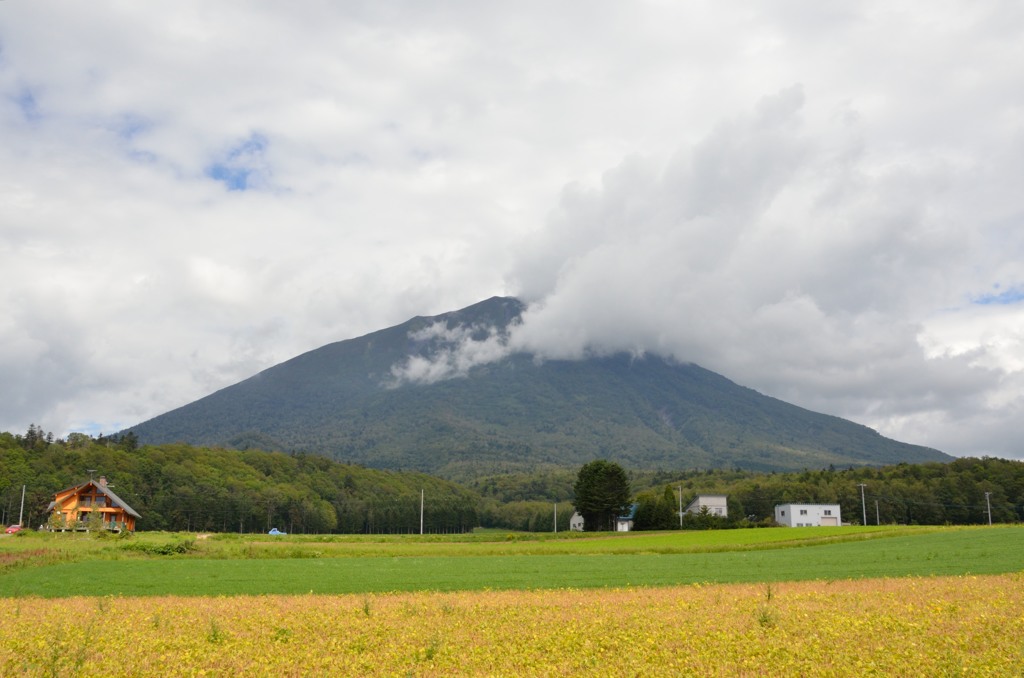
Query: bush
171 548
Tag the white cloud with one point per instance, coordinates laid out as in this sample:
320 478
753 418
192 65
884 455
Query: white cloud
812 200
796 261
450 352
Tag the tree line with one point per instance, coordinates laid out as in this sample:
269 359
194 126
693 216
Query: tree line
960 492
180 487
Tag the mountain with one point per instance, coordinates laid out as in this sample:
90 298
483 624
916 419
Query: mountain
346 400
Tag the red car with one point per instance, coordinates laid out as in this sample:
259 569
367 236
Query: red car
12 529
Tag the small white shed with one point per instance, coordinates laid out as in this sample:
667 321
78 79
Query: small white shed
576 522
625 523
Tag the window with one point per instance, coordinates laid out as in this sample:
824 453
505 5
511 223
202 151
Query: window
803 512
828 512
783 512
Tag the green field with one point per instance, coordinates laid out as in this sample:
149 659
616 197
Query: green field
69 565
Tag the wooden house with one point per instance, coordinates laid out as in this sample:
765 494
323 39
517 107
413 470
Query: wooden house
73 507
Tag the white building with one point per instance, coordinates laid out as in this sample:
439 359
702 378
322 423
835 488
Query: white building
808 515
622 523
716 504
625 523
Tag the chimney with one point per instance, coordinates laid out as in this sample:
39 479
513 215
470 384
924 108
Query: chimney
103 481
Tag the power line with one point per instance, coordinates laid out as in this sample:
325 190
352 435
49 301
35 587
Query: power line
903 500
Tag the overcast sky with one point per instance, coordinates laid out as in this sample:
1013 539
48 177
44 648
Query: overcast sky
822 201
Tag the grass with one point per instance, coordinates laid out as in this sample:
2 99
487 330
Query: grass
79 546
303 565
46 548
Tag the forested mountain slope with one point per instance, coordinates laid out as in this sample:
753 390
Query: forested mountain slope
343 401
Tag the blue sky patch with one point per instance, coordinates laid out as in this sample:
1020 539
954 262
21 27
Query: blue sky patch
235 178
1010 296
26 102
241 164
129 126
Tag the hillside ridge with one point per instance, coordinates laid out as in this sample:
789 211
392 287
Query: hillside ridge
344 400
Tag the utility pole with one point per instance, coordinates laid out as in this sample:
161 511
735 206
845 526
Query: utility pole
556 517
421 511
878 521
988 503
680 507
21 513
863 506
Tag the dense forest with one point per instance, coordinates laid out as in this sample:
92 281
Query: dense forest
180 487
932 493
915 494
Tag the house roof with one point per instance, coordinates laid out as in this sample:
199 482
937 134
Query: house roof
792 503
632 513
114 499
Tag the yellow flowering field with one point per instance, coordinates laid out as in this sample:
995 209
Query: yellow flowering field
972 626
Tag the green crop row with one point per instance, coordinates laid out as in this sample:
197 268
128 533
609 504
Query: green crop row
952 551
